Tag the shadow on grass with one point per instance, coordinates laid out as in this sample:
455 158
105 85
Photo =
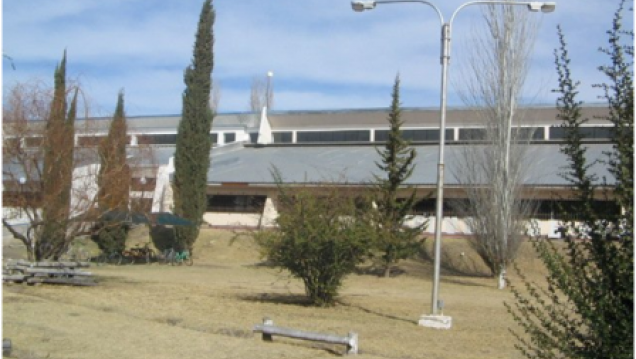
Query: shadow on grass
377 271
457 264
379 314
459 281
277 298
261 264
329 348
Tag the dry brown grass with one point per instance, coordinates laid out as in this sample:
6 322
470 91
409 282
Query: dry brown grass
208 310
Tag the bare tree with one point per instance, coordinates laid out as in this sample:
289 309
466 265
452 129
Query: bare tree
261 93
29 186
215 96
493 170
25 113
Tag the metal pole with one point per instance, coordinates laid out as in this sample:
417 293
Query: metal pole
22 201
439 212
269 88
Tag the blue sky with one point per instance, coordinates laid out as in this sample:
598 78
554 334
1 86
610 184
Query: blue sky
323 55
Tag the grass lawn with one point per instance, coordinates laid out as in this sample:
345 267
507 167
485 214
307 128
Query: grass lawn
208 310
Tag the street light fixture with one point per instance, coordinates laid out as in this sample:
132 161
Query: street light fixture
436 320
544 7
360 6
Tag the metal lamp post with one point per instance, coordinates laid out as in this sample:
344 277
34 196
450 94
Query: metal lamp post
142 182
268 95
436 320
22 182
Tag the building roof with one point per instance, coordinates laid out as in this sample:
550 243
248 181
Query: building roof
338 119
415 117
357 164
169 124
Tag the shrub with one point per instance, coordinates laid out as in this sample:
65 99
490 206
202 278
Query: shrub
320 239
110 236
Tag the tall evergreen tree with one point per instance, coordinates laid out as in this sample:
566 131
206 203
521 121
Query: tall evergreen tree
587 309
114 183
57 172
394 241
192 156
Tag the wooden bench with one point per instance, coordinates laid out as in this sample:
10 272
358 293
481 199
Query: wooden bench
68 273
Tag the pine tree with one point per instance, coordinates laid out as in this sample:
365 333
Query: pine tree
192 155
395 241
586 311
57 172
114 183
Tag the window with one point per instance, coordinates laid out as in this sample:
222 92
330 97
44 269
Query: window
415 135
167 139
229 137
528 133
13 143
591 132
253 137
236 204
214 138
282 137
89 141
334 136
428 207
472 134
34 141
567 210
15 194
142 205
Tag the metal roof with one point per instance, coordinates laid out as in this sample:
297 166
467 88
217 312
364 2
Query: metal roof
340 119
169 124
418 117
357 164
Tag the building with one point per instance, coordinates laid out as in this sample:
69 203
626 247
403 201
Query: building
315 148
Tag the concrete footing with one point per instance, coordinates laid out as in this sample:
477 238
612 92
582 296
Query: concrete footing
435 321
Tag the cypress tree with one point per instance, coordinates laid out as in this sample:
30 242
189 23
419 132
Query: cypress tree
192 155
114 183
394 241
57 172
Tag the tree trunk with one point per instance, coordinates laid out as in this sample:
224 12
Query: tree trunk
502 278
387 271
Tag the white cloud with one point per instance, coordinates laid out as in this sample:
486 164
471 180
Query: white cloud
323 54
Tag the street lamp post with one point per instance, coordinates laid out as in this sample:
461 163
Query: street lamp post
435 319
142 182
268 95
22 202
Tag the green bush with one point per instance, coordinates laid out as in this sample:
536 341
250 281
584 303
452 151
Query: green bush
320 239
110 236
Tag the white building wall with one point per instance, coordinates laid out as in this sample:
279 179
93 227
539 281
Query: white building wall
222 219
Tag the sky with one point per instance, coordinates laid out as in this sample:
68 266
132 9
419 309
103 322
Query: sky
323 55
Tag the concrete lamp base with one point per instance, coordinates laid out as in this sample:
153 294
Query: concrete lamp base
435 321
